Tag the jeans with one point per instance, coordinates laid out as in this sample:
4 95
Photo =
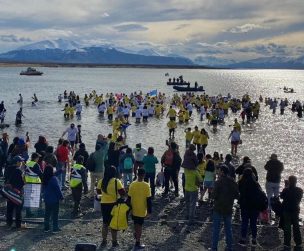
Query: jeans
170 172
151 177
127 177
272 189
191 199
10 208
203 149
249 216
216 227
95 177
62 175
288 220
51 210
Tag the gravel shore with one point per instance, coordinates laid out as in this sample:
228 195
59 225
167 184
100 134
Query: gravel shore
165 229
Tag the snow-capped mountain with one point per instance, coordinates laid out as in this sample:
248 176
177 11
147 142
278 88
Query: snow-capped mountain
61 44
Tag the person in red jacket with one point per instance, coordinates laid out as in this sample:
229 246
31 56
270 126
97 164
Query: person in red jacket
62 154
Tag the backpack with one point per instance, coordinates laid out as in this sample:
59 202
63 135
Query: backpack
169 155
262 201
128 163
90 165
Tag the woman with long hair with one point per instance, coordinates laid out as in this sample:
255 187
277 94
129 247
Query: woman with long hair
111 189
249 191
52 195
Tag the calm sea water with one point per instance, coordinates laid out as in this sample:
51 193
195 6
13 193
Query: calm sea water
271 133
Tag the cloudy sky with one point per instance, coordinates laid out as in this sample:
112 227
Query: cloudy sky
222 29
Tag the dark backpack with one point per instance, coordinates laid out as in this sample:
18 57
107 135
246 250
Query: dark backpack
262 200
91 163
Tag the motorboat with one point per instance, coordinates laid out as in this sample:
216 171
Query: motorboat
31 72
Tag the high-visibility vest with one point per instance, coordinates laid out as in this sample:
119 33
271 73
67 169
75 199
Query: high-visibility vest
30 176
76 178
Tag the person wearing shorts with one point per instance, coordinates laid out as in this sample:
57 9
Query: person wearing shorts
139 197
235 140
110 190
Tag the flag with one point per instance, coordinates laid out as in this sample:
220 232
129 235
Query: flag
153 93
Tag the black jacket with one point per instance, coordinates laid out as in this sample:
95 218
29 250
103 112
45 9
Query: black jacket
292 197
248 194
274 169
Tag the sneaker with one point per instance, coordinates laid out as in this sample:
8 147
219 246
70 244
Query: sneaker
253 242
55 231
242 243
103 244
139 246
115 244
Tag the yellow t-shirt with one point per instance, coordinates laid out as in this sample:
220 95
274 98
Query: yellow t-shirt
172 113
110 196
201 168
204 139
110 110
116 125
189 135
186 115
139 191
196 137
171 124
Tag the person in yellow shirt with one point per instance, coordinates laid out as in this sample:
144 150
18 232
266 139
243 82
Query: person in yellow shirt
188 136
181 118
110 112
139 197
186 116
116 124
71 111
110 189
66 111
201 167
158 110
196 138
171 113
171 125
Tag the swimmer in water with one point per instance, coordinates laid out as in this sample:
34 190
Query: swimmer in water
35 98
60 98
20 100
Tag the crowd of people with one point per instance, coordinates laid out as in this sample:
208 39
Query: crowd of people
124 179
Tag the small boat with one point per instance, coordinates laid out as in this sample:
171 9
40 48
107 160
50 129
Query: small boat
31 72
188 89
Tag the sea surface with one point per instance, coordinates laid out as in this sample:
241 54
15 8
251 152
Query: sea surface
280 134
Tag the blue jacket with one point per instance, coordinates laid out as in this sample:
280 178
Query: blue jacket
51 192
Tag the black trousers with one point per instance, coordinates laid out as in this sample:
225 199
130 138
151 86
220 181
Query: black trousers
171 173
151 177
10 209
291 219
76 194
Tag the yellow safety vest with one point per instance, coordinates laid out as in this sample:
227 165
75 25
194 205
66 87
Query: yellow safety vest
76 178
31 177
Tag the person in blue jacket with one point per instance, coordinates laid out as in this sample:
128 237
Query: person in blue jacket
52 195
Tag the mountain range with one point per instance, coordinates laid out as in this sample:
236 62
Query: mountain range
71 52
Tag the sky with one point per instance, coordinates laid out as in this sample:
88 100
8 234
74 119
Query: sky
198 29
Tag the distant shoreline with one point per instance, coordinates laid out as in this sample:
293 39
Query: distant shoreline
55 65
